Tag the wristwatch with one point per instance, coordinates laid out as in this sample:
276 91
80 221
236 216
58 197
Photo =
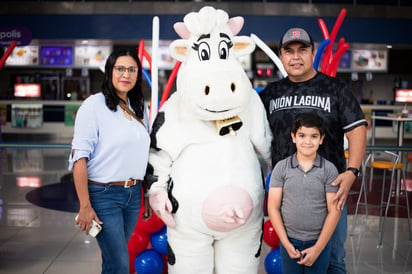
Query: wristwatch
354 170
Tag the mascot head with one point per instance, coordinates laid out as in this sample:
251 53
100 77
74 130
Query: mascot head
211 81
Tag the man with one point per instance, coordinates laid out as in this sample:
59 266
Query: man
306 90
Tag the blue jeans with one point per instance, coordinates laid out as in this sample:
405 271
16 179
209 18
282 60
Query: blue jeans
118 208
289 265
337 258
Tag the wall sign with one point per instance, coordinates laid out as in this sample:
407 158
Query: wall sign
21 35
369 60
56 56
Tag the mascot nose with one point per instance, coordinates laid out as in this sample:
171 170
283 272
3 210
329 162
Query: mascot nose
232 88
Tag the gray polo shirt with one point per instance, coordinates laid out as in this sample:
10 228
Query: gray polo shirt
303 206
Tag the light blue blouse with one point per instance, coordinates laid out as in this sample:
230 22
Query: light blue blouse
116 148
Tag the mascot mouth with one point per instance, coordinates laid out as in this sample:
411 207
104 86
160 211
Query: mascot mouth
217 111
206 109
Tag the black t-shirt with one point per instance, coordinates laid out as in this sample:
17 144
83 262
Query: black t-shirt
330 98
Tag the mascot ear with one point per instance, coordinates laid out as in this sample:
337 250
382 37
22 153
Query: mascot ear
243 45
182 30
236 24
179 49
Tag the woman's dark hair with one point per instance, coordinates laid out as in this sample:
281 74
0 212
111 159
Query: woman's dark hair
135 95
310 120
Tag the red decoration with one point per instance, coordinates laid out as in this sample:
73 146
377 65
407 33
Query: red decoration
269 235
137 243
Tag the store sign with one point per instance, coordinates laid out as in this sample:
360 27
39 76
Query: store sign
21 35
403 96
91 56
31 90
24 56
370 60
56 56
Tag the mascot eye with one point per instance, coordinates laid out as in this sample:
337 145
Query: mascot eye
223 50
204 52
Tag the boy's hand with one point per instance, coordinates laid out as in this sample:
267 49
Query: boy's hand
309 256
293 252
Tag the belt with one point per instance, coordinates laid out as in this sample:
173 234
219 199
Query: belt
125 184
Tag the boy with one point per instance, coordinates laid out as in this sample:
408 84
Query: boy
300 200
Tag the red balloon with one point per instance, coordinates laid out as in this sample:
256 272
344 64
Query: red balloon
165 267
269 235
137 243
153 224
323 28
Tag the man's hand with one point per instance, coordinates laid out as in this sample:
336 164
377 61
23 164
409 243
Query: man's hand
345 181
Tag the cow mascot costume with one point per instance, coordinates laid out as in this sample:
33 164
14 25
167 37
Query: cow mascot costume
207 184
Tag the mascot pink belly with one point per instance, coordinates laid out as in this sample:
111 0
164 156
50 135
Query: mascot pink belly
227 208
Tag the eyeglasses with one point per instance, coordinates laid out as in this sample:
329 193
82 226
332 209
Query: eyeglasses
122 69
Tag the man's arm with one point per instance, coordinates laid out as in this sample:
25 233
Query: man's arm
357 146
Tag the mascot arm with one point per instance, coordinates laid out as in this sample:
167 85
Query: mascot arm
158 197
261 135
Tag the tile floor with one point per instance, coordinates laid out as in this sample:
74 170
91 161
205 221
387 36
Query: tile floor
36 239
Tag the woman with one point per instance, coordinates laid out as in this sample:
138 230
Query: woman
109 157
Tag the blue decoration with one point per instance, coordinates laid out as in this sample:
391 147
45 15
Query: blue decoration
149 262
272 262
147 77
268 181
259 89
159 241
319 53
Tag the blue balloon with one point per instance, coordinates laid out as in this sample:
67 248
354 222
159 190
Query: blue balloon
259 89
159 240
272 262
319 52
149 262
146 75
268 181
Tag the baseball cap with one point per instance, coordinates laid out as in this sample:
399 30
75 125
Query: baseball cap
296 35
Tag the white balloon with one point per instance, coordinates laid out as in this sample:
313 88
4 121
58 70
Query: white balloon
269 53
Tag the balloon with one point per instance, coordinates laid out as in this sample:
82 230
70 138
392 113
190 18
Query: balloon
7 53
319 52
327 58
140 51
148 58
269 53
165 265
323 28
147 76
159 241
337 25
268 181
169 83
153 224
137 243
259 89
273 263
340 43
269 235
149 262
335 62
155 71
